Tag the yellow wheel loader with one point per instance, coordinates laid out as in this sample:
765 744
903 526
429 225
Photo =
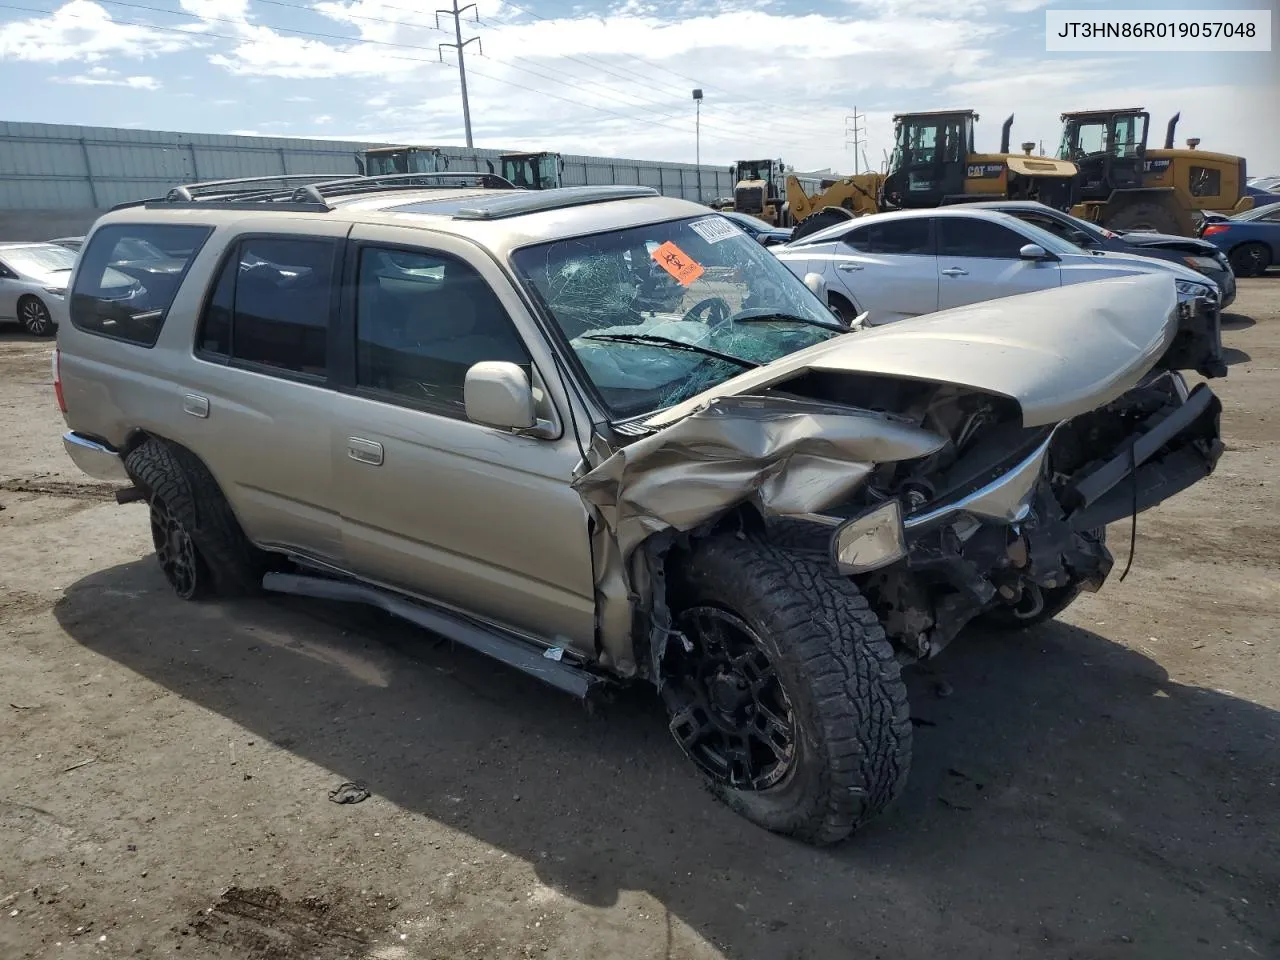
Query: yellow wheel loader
934 163
1124 186
756 193
839 199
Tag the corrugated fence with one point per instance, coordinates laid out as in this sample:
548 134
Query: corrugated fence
72 168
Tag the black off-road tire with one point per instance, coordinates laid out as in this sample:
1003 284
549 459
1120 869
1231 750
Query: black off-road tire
178 485
1143 216
1250 259
838 671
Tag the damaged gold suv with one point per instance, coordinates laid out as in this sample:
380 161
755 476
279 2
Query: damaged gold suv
605 437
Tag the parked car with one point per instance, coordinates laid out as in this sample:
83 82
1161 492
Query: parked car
763 233
1251 240
447 403
1264 183
33 283
1200 255
71 243
893 266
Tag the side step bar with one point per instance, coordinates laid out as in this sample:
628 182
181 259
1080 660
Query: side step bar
513 651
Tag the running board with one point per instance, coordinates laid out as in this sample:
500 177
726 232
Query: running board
521 654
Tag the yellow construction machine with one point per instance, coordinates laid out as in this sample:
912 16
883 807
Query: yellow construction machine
1124 186
934 163
756 191
838 198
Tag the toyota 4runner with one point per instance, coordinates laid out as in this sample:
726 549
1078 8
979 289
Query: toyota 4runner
604 436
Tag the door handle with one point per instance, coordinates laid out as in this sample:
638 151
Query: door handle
364 451
955 272
848 266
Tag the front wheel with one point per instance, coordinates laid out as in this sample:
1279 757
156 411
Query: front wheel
35 317
1143 218
785 694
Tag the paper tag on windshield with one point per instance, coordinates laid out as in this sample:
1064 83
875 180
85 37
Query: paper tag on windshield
676 262
715 229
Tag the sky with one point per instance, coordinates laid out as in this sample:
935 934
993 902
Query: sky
780 78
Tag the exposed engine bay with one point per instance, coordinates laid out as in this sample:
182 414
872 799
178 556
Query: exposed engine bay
1003 516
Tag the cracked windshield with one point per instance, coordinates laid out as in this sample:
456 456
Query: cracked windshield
659 313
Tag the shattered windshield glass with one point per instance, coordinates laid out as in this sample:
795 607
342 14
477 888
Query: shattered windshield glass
702 282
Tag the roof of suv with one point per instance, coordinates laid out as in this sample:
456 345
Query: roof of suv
499 219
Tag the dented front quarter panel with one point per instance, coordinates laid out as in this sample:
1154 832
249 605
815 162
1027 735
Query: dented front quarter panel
786 457
1058 354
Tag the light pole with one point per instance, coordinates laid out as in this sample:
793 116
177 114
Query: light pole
697 137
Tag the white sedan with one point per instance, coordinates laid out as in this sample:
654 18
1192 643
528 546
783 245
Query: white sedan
908 263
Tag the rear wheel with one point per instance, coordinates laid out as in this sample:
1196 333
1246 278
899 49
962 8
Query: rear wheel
1138 217
787 696
198 541
35 317
1250 259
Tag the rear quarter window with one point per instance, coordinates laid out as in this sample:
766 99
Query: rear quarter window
129 274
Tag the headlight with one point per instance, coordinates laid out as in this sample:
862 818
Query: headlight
1189 288
871 541
1202 263
56 291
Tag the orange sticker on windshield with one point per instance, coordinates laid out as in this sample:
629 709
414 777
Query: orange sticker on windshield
679 264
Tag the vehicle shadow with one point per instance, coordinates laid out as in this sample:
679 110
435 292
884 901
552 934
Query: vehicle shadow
1233 355
1066 796
1237 321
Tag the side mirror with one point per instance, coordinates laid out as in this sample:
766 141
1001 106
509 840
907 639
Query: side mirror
817 285
1033 251
497 394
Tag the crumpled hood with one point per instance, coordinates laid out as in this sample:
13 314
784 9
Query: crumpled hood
1058 353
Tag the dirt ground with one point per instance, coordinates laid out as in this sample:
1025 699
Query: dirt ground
1105 786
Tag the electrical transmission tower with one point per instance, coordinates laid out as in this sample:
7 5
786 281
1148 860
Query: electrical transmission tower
853 136
456 13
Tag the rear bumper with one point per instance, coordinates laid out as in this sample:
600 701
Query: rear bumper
95 458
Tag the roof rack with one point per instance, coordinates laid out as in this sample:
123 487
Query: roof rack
309 192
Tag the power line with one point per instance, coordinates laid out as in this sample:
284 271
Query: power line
252 40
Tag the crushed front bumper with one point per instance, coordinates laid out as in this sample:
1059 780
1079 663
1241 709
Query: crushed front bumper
1040 521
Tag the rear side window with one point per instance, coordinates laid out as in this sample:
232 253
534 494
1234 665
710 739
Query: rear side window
908 236
272 305
971 237
128 276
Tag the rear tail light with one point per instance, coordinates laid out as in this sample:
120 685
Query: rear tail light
1213 228
57 381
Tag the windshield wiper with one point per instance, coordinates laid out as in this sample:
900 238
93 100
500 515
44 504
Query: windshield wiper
765 315
670 342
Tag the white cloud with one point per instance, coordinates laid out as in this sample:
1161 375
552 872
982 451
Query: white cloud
83 30
103 77
774 83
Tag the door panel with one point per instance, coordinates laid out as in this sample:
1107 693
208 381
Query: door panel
474 516
256 406
979 260
888 268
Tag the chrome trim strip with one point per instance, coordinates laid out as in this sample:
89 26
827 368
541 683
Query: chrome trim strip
1006 498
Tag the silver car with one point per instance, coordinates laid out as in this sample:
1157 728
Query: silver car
33 284
894 266
607 438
